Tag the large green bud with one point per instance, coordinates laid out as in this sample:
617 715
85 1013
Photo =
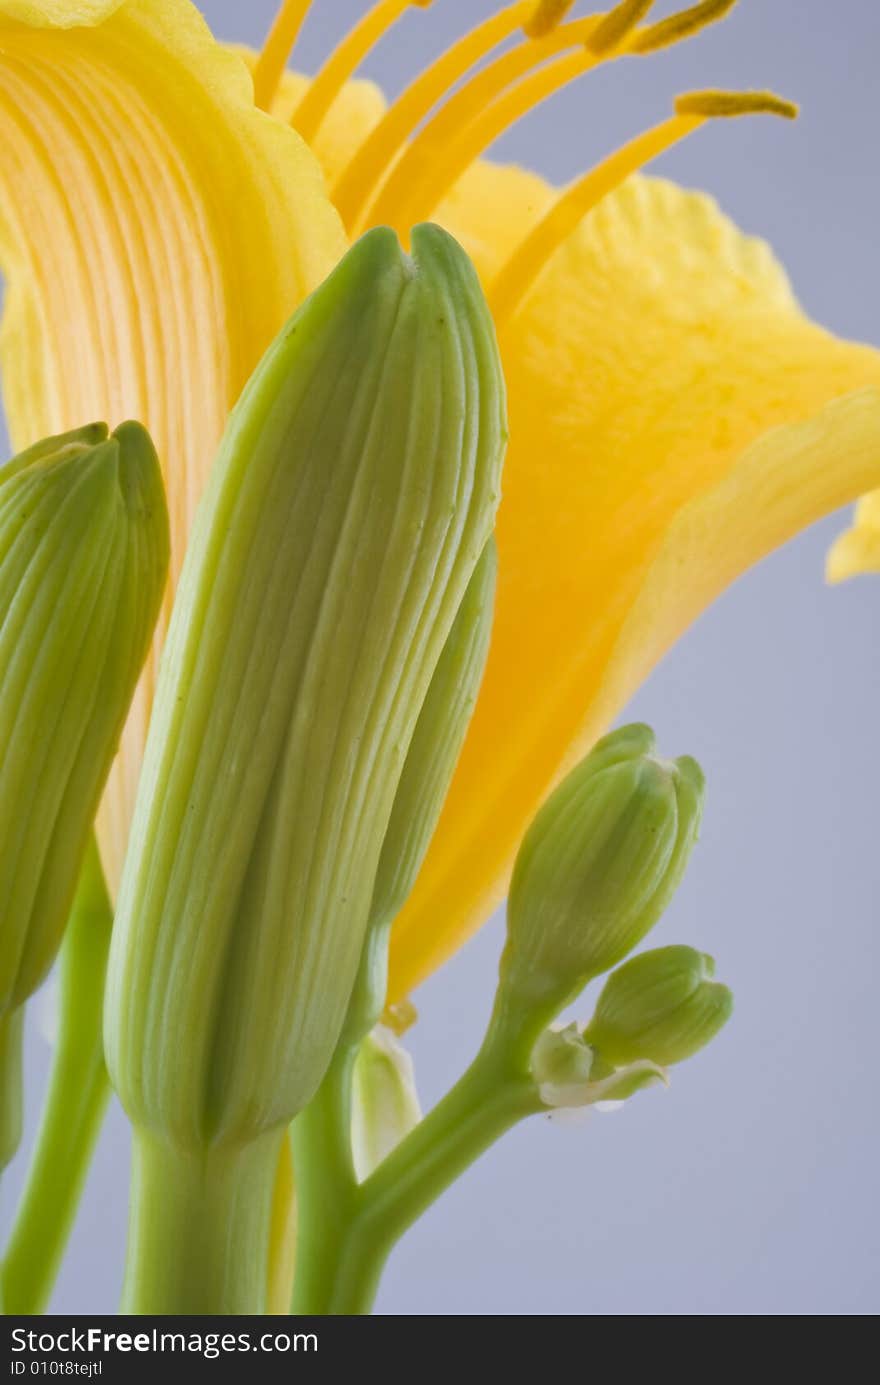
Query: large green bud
662 1005
595 870
83 563
353 494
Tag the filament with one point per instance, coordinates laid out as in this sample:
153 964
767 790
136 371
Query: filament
277 49
691 111
472 119
376 155
346 58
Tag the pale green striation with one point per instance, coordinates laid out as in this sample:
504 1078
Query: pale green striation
352 497
424 783
595 871
83 562
662 1006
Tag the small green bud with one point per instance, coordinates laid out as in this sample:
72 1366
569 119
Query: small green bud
353 494
596 869
427 772
662 1005
385 1103
83 563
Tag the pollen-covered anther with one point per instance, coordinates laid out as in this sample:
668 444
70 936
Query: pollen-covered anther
545 17
680 26
618 25
719 104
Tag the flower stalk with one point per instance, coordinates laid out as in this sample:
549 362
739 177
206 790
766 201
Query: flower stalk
595 871
352 1228
74 1106
199 1227
11 1026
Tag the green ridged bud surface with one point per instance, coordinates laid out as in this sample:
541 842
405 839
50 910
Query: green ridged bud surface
663 1006
83 563
424 783
596 869
352 497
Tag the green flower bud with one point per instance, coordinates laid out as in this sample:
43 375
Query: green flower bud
83 563
427 772
353 494
662 1005
595 871
385 1103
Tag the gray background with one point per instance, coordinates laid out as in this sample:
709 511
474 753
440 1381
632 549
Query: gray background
749 1187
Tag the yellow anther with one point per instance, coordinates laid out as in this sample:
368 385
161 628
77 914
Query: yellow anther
545 17
679 26
618 24
712 104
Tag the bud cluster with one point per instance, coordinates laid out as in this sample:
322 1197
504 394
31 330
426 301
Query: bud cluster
596 870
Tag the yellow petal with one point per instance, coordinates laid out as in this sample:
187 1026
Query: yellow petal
61 14
787 479
656 349
156 231
354 113
858 549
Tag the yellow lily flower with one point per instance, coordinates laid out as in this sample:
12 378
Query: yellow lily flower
156 230
674 415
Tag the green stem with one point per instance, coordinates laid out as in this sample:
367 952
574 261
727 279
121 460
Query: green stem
326 1185
74 1107
357 1227
11 1026
198 1238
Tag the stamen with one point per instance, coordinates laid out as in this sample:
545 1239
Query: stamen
546 16
277 49
473 118
692 110
379 151
726 103
618 24
348 56
678 26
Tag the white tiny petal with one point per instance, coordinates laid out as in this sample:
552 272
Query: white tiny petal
45 1009
605 1106
385 1104
568 1116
